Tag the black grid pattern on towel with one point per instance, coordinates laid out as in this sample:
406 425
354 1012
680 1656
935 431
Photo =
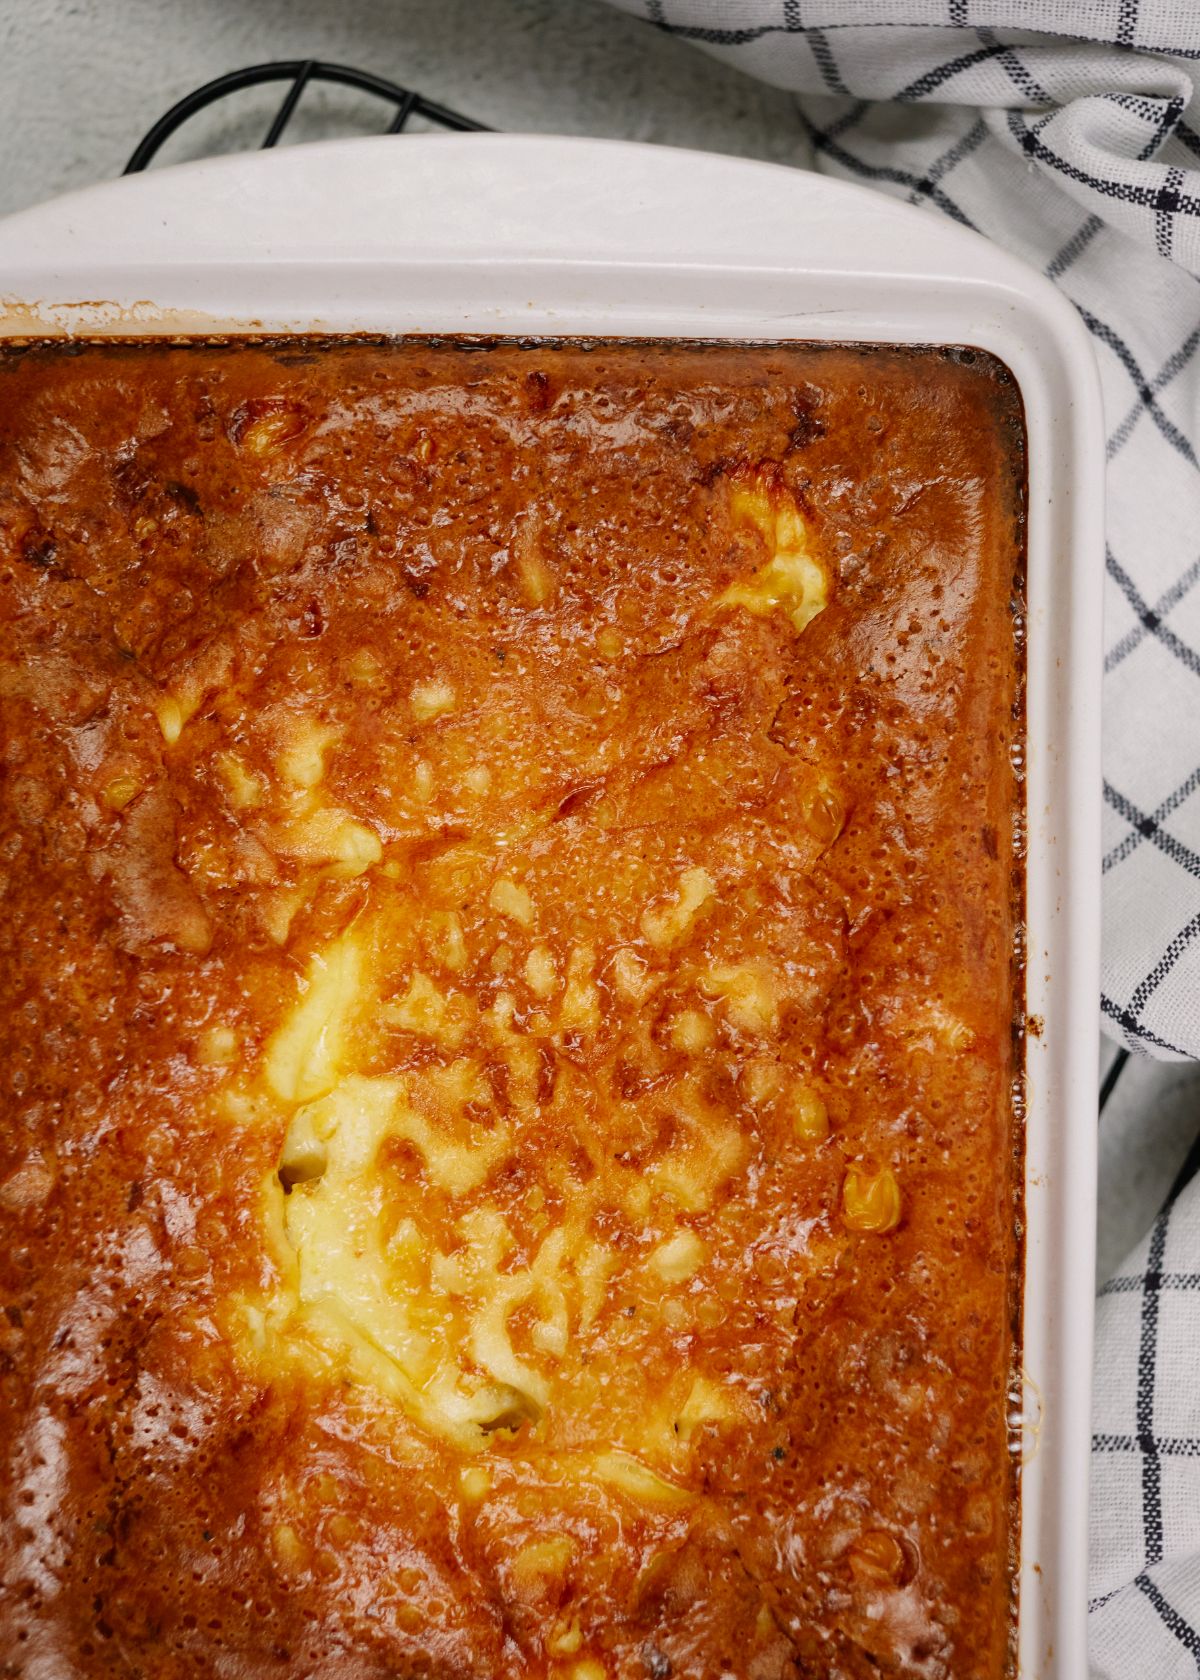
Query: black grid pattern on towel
1146 1437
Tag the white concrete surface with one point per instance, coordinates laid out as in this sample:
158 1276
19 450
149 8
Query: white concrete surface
81 80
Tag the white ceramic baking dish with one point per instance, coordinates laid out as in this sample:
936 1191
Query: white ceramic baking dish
520 235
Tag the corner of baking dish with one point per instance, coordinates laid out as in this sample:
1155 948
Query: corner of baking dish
526 235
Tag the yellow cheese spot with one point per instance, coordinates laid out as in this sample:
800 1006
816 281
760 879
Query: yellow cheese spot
610 642
422 1009
451 1165
431 699
631 975
305 1055
565 1637
478 779
120 791
749 995
331 838
218 1047
512 900
326 1489
764 1623
242 1109
266 434
446 940
550 1336
810 1117
305 1152
632 1192
277 911
542 1560
669 923
301 761
537 581
634 1479
459 874
356 849
457 1084
520 1393
679 1258
407 1246
523 1061
423 781
706 1154
244 788
500 1016
824 813
364 667
288 1547
763 1080
173 713
589 1669
487 1243
534 578
580 1007
692 1031
871 1201
791 579
706 1403
475 1483
541 976
594 1266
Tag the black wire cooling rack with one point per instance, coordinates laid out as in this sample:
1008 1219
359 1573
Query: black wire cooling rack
299 74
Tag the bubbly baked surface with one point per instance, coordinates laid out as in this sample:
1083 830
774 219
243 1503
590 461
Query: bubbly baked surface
509 1163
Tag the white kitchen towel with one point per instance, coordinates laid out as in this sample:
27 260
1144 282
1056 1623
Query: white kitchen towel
1144 1612
1069 132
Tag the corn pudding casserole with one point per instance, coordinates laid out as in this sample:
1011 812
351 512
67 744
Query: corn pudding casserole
509 992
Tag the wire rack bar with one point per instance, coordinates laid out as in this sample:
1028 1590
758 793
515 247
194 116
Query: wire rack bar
291 100
300 73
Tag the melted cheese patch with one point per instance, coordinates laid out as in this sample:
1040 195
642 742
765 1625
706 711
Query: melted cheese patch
666 924
397 1264
792 580
329 837
304 1056
375 1299
302 759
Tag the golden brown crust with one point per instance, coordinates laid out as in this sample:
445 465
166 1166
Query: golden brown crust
509 1165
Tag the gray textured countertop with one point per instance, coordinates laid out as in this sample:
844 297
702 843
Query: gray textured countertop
81 81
